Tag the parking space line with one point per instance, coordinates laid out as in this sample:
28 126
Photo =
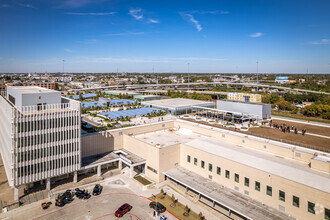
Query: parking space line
95 197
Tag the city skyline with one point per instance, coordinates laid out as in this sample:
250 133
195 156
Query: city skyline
214 37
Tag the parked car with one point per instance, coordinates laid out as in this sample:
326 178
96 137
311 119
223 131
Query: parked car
97 190
82 194
158 207
64 198
123 210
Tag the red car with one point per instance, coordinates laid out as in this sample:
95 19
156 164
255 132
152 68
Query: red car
123 210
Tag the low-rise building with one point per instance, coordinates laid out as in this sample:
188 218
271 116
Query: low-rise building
244 97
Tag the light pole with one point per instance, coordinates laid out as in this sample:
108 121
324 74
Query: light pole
188 78
117 79
63 66
257 75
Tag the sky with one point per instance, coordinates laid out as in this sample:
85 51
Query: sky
211 36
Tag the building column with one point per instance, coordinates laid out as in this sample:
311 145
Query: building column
75 177
120 164
48 184
131 169
16 194
213 204
99 173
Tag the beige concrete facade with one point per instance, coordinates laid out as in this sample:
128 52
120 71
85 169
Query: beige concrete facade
242 97
314 201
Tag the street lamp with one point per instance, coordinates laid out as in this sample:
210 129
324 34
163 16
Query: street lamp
63 66
188 77
257 75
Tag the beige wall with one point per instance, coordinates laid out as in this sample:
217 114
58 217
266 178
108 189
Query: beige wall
255 143
106 141
277 183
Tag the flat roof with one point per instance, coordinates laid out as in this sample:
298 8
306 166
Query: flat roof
267 162
122 92
177 102
234 101
239 203
32 89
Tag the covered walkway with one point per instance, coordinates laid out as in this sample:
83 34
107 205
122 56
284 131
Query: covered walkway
218 196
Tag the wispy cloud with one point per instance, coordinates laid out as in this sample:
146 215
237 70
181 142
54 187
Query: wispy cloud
125 33
153 21
77 3
26 5
70 50
209 12
322 41
15 4
90 13
4 6
258 34
193 20
136 13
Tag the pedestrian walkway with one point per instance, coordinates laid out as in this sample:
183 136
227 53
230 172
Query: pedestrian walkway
301 121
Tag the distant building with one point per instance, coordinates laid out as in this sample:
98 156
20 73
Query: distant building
284 80
177 106
256 110
244 97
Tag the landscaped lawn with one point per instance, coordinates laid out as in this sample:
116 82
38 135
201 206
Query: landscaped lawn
142 180
178 210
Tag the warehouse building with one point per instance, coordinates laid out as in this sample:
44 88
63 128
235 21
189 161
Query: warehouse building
177 106
255 110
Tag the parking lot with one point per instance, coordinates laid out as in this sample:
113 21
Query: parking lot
97 207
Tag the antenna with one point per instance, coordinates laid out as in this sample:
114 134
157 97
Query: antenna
63 66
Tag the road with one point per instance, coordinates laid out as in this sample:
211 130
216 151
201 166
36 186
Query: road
203 83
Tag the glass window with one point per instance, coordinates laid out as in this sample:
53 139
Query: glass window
281 196
227 174
218 170
311 207
236 178
210 167
203 164
195 161
246 181
269 191
295 201
188 158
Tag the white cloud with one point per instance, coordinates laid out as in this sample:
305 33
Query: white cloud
322 41
4 6
258 34
77 3
91 13
209 12
153 21
192 19
27 6
136 13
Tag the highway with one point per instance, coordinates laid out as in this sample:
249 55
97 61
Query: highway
140 86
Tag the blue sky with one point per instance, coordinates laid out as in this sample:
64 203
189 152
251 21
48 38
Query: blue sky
284 36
